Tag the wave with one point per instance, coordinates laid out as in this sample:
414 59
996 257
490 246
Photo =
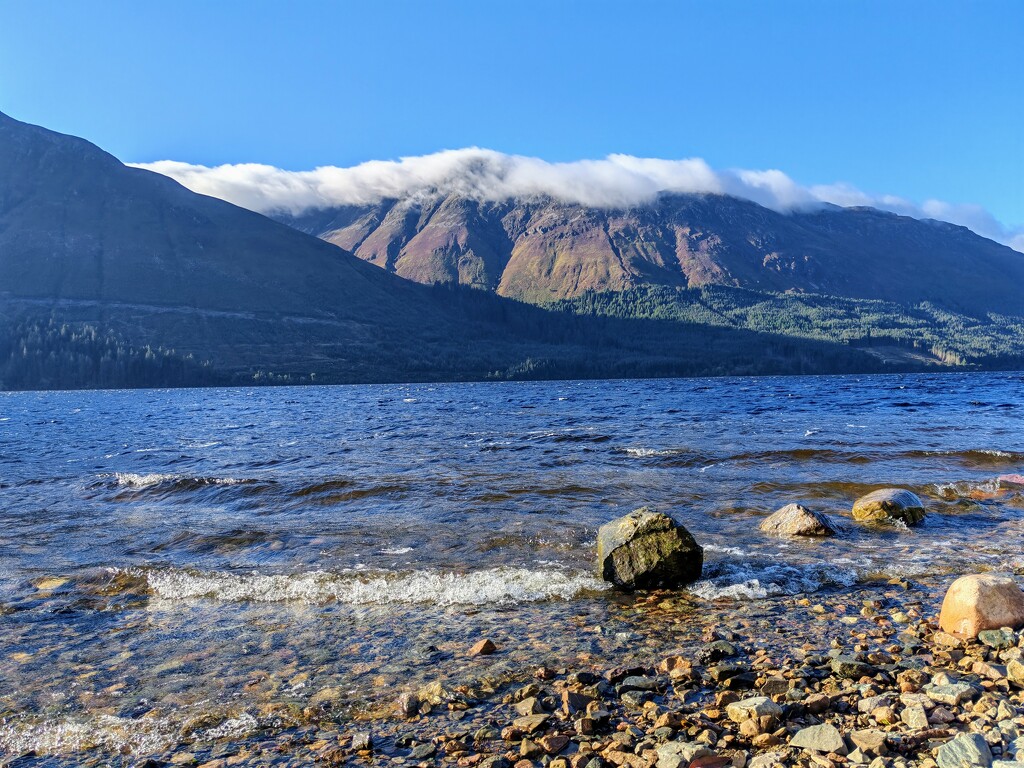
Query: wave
983 456
964 489
755 580
498 586
133 481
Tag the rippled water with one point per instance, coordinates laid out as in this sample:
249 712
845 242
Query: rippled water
177 566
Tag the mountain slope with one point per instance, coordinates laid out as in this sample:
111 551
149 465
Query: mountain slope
543 251
115 276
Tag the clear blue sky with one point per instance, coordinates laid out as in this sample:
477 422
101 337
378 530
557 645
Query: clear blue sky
920 99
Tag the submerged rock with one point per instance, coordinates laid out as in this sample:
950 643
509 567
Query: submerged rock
647 549
982 601
797 520
889 505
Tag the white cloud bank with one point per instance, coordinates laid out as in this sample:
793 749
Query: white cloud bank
483 174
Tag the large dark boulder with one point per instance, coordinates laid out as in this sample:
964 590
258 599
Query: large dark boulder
647 549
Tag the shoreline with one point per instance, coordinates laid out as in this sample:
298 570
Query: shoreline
675 710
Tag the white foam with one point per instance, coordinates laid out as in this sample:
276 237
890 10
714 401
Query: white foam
491 586
760 579
396 551
133 480
64 736
643 453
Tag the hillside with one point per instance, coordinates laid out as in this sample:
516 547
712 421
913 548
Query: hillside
115 276
543 250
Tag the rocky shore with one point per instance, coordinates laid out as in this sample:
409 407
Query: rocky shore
863 677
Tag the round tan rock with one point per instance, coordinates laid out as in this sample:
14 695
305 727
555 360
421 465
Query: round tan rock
889 505
982 601
796 520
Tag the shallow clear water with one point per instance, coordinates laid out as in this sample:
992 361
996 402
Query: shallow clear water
233 554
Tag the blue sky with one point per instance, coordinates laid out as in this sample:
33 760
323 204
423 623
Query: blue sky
917 99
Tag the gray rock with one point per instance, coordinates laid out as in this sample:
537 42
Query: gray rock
915 717
361 741
819 738
889 505
797 520
951 694
647 549
869 742
968 750
998 638
680 753
422 751
756 706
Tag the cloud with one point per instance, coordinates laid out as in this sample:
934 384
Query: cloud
483 174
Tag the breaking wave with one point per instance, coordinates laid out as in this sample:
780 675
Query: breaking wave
492 586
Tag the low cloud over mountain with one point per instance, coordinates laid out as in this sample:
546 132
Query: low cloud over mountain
489 176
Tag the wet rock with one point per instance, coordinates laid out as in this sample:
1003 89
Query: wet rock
797 520
889 505
361 742
982 601
647 549
965 751
484 647
716 651
529 706
408 705
530 723
819 738
849 667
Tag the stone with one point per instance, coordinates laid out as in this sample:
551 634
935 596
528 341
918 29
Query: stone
554 744
849 667
1000 639
530 706
889 505
573 702
1015 672
361 742
819 738
647 549
951 694
869 742
968 750
982 601
530 723
796 520
408 705
679 754
755 707
483 648
915 717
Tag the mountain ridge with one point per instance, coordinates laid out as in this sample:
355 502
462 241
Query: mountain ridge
118 276
544 251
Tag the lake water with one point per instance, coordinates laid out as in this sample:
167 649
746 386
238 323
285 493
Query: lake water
178 567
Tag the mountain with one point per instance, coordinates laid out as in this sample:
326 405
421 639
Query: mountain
543 250
116 276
